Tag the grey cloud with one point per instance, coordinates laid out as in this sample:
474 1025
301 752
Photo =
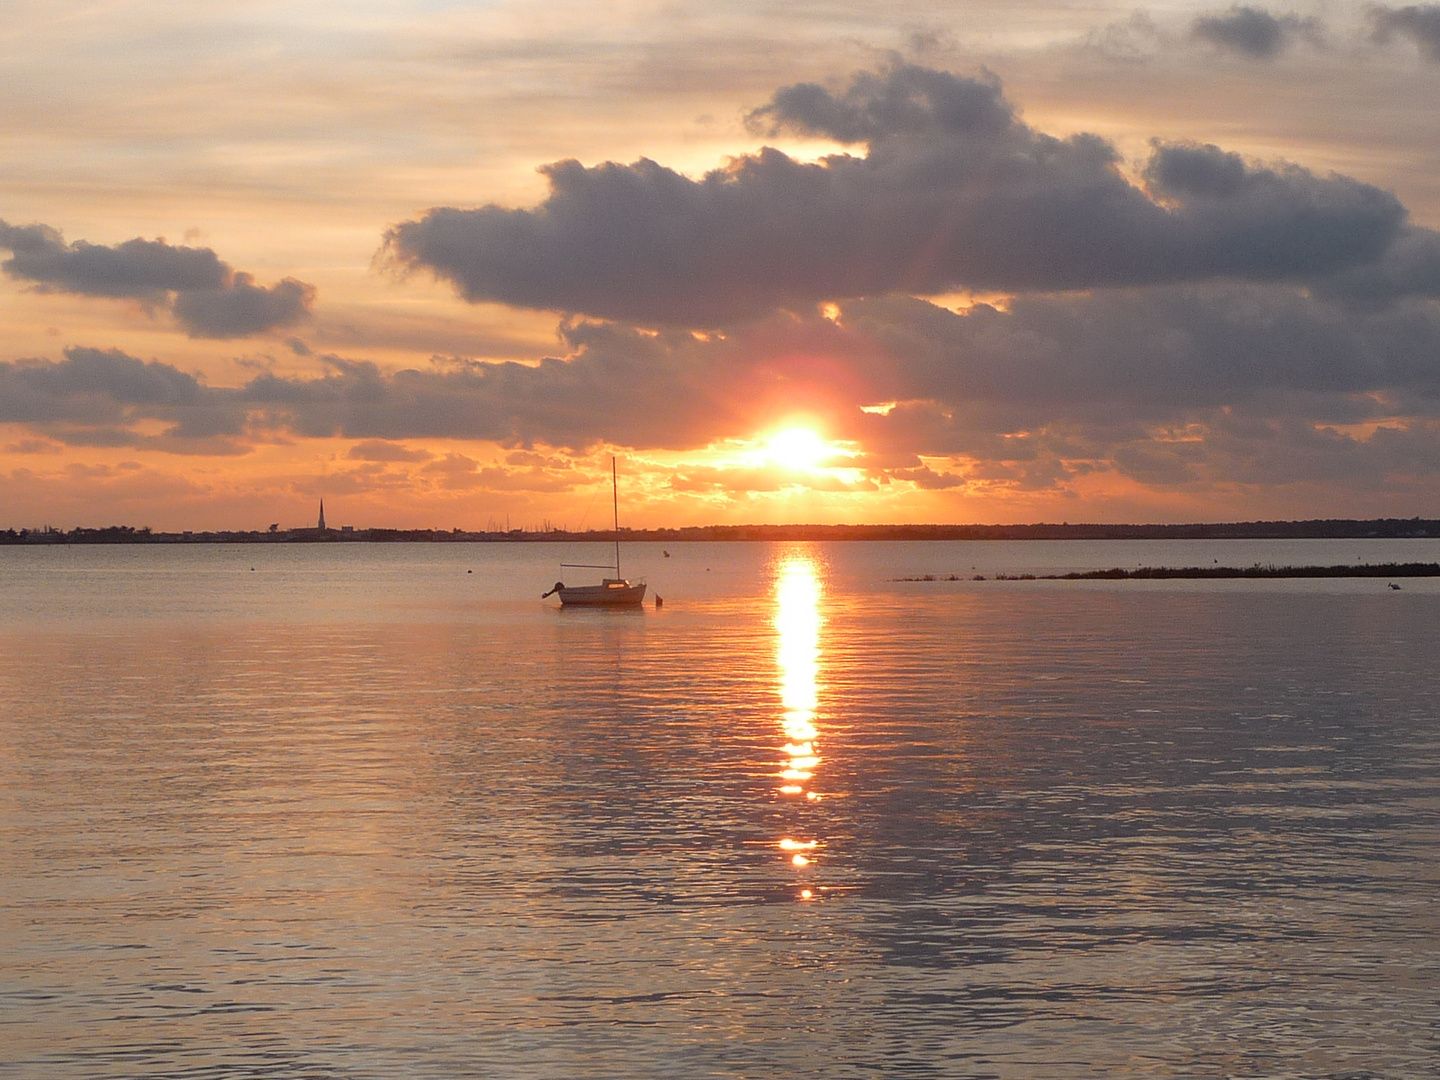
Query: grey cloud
1267 224
1199 171
1418 22
906 101
459 472
138 269
242 308
1409 268
1175 387
97 437
1169 384
572 403
33 446
704 478
954 192
1283 451
531 479
379 450
1215 452
207 297
1149 354
1253 32
534 460
1168 464
93 396
927 478
616 384
109 373
90 387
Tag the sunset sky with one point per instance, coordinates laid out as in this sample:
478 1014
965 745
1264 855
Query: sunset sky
811 261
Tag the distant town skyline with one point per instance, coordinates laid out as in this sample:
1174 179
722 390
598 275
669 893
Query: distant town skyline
806 263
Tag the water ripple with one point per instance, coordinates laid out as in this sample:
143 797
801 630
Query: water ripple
1058 832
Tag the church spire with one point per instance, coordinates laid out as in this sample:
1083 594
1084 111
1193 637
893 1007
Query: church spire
321 526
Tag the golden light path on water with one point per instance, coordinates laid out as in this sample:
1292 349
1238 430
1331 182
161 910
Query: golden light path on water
797 625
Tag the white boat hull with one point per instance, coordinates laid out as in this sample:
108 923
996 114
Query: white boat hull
613 592
610 593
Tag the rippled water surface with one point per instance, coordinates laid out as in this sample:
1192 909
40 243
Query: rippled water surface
378 811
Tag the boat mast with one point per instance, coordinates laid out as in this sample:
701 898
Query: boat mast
615 506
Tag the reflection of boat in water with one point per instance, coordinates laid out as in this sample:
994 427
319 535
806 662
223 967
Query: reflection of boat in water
612 591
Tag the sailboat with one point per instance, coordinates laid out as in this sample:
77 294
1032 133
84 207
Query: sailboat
612 591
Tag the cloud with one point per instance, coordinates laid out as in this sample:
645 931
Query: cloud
242 308
1176 388
206 296
954 192
702 478
654 390
1252 32
980 383
97 397
1418 22
1147 355
379 450
1410 267
569 403
461 473
95 374
1195 317
139 269
906 100
35 446
928 479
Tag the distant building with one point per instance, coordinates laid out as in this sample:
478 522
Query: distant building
321 526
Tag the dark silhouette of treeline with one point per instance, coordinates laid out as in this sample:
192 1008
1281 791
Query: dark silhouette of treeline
1385 570
1168 573
1335 528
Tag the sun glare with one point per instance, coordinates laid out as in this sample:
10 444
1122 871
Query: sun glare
797 448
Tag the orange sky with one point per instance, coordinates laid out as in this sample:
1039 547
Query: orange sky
992 262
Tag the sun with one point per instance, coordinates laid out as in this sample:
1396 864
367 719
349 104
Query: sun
797 448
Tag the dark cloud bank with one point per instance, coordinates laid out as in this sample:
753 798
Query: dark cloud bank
1204 322
207 296
1173 386
954 192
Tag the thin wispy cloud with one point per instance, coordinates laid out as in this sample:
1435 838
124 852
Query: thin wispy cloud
1419 23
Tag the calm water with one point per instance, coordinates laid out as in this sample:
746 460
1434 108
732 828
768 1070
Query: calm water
378 811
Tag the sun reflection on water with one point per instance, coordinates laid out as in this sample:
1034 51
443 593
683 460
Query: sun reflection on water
797 626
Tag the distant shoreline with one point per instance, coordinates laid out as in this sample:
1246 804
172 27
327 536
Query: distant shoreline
1172 573
1330 529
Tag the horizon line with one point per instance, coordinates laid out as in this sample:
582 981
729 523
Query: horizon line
1307 528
